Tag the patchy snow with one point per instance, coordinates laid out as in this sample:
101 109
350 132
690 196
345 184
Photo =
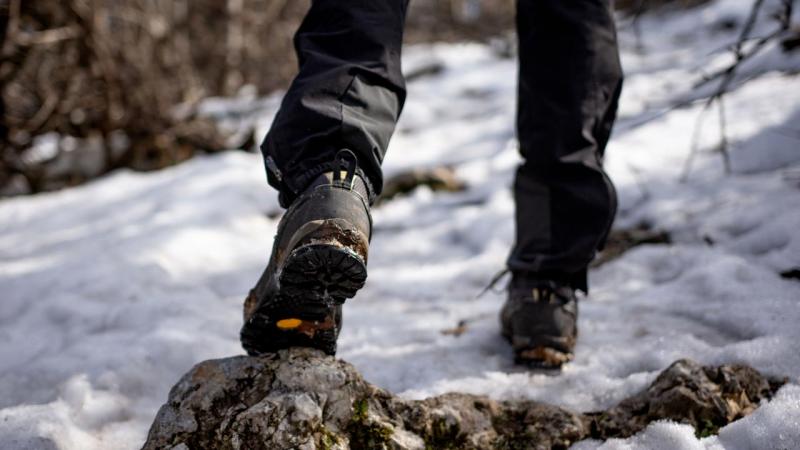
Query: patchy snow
112 290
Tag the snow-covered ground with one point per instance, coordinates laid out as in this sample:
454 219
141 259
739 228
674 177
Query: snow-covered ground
112 290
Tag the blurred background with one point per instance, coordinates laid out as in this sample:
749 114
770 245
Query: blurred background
89 86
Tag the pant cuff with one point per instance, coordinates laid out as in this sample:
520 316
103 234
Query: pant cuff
291 185
528 278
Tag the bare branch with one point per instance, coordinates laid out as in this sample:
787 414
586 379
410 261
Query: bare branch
727 75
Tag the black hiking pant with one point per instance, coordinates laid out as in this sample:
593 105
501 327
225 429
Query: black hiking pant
350 91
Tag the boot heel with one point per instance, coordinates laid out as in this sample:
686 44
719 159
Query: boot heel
328 262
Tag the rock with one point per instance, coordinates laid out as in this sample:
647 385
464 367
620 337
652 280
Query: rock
437 179
706 398
301 398
620 241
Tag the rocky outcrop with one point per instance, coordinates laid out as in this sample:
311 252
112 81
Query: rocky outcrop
301 398
705 397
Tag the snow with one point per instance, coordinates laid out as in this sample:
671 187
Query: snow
112 290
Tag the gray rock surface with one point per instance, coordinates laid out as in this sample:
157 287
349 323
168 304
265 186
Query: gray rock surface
303 399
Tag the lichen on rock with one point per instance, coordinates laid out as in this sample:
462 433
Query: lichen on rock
304 399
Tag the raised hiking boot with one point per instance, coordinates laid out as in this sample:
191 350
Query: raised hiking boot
319 259
539 319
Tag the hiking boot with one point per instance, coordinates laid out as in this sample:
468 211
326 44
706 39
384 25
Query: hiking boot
319 259
539 319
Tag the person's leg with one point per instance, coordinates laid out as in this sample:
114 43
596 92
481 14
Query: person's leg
324 153
569 83
348 94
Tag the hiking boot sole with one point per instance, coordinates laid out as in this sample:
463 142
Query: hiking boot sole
542 358
315 281
323 271
545 357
